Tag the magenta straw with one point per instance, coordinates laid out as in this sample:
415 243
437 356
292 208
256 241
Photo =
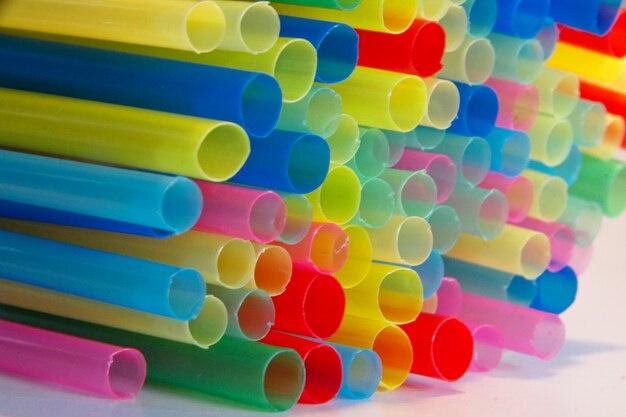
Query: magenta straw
439 167
256 215
82 364
519 104
518 191
488 347
581 258
524 330
562 241
449 297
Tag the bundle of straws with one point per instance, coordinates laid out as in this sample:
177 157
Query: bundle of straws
260 201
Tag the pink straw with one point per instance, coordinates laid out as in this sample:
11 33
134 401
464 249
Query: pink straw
488 347
518 191
562 241
70 361
439 167
449 297
581 258
519 104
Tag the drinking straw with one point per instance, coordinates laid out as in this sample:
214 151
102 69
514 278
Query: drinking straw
613 43
127 282
251 27
489 282
397 145
550 196
515 250
322 364
200 148
338 198
380 16
477 112
424 138
613 98
384 99
589 122
443 103
273 269
186 25
481 16
585 63
556 291
585 219
594 16
415 191
519 104
222 260
524 330
481 212
329 4
613 135
373 154
312 305
450 296
433 9
418 50
430 304
250 311
203 331
251 100
389 341
403 240
247 213
510 152
562 241
378 202
336 45
299 218
558 92
471 155
551 140
68 192
286 161
442 346
346 140
245 372
98 368
455 23
517 60
488 347
388 292
581 258
439 167
548 37
446 226
359 259
602 182
317 112
362 372
471 63
521 18
569 169
430 273
323 250
519 193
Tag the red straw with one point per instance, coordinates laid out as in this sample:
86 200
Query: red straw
613 43
613 99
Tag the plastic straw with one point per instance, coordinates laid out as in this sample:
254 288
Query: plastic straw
519 104
373 155
595 16
569 169
488 347
403 240
317 112
510 151
97 368
336 45
521 18
515 250
187 25
562 241
478 111
519 193
286 161
203 331
418 50
251 100
550 196
489 282
242 212
613 135
585 63
390 343
589 122
517 60
338 198
471 63
443 103
524 330
273 269
430 273
439 167
433 9
378 202
551 140
613 98
446 226
450 296
442 346
481 15
602 182
299 218
556 291
346 140
312 305
397 145
323 250
558 92
471 155
585 219
455 23
251 27
389 293
548 37
424 138
481 212
581 258
430 304
360 254
613 43
362 372
244 372
41 188
415 191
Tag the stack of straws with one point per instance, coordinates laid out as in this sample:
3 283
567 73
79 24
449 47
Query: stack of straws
287 183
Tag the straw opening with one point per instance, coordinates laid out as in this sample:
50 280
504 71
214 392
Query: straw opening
235 263
396 354
299 217
446 227
340 195
295 69
535 256
324 321
559 143
363 374
267 217
415 240
548 337
400 296
530 61
273 270
455 24
488 348
261 105
223 151
418 194
186 294
429 42
475 160
515 154
181 205
443 171
551 199
565 95
377 203
481 111
329 248
492 214
282 381
520 196
407 103
443 104
594 124
359 259
452 350
344 143
210 325
337 54
309 159
482 16
256 315
398 15
259 27
480 60
322 116
126 373
205 26
373 154
323 374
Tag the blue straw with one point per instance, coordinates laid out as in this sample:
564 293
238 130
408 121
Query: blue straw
478 111
510 152
556 291
569 169
595 16
431 273
362 372
523 18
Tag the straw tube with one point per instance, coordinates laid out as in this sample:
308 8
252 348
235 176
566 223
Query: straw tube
415 191
471 155
299 218
433 9
251 27
203 331
455 23
613 135
489 282
384 99
602 182
373 154
562 241
446 226
317 113
360 255
478 111
187 25
481 16
613 43
519 193
346 140
519 104
482 212
550 140
558 92
556 291
510 152
439 167
517 60
449 296
403 240
588 122
200 148
581 258
471 63
521 18
338 198
568 170
272 270
585 63
389 293
328 4
378 202
548 37
594 16
424 138
362 372
488 347
443 103
515 250
431 274
45 356
550 196
585 219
